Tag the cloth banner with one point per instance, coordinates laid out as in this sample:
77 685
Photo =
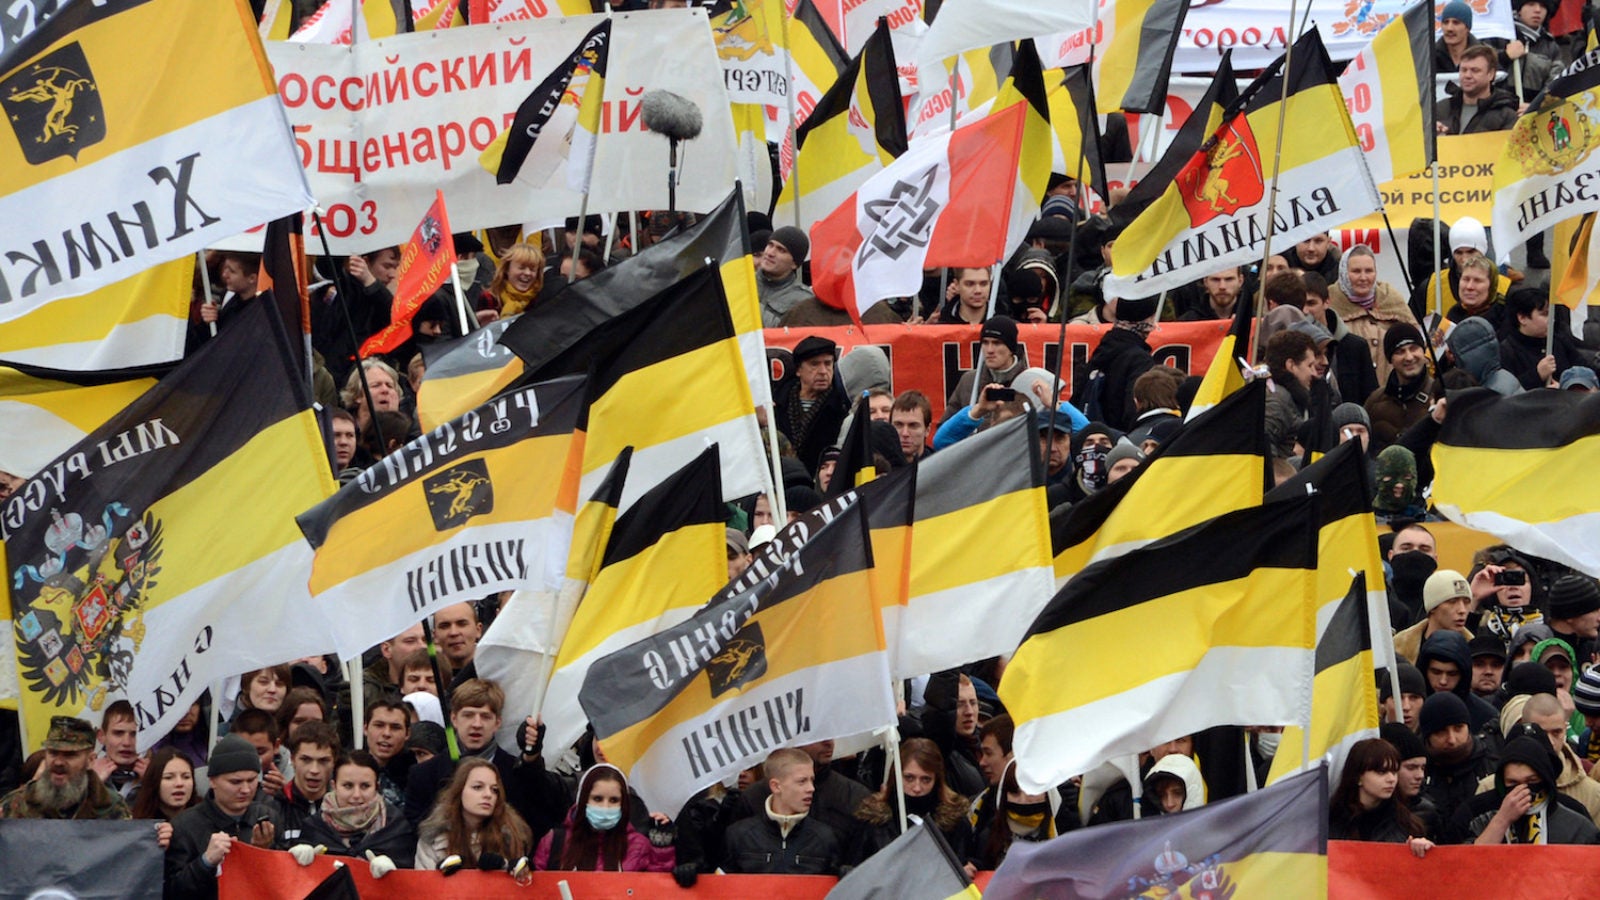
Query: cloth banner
931 358
1466 184
381 125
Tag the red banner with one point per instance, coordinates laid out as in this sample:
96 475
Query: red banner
425 262
931 358
1382 871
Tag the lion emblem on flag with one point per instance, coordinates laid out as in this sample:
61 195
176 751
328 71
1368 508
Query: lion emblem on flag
1224 176
79 610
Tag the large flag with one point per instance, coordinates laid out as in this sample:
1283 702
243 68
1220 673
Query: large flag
1227 627
980 552
1544 173
775 59
1203 121
664 558
1215 464
1040 149
547 332
973 24
450 517
147 561
46 412
1076 122
518 651
815 62
796 658
548 122
667 379
946 202
116 162
857 128
1390 86
918 863
463 372
1539 445
1133 45
1344 698
426 261
139 321
1214 213
87 859
1252 845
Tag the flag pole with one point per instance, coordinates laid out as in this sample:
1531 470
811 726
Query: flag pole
577 240
944 271
461 299
343 294
451 745
899 774
775 503
205 281
1277 165
791 130
358 698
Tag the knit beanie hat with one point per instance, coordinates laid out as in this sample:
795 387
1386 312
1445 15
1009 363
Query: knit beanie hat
1404 740
1351 414
1410 678
1004 330
793 240
1586 693
1397 468
1457 9
1440 711
1469 232
233 754
1131 310
1572 596
1529 678
1399 335
1445 584
1123 449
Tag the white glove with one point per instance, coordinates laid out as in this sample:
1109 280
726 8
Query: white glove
379 864
305 853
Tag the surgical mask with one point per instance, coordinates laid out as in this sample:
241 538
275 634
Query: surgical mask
603 818
1267 742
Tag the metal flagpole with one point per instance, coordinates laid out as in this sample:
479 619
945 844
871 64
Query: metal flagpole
461 300
1438 283
1277 161
343 293
358 698
775 503
944 271
205 281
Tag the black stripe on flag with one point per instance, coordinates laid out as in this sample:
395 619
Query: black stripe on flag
690 496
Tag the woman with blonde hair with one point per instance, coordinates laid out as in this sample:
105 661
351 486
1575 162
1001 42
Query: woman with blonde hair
518 279
472 820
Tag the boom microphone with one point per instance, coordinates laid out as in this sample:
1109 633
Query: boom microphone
670 115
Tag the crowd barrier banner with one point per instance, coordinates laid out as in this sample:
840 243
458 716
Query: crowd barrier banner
381 125
931 358
1466 184
1355 870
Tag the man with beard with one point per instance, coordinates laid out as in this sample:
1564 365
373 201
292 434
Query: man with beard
66 789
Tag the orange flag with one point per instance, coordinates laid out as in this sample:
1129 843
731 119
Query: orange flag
425 261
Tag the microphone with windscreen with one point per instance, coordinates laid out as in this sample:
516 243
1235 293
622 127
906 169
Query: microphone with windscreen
676 118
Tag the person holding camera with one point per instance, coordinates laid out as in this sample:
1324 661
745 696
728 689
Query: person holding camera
1001 361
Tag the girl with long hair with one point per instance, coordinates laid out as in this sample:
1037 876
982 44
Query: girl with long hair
1019 816
471 819
598 835
356 821
165 789
518 279
928 798
1365 808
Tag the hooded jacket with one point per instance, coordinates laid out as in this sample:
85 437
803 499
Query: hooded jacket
880 822
1477 351
1349 360
1121 357
1183 768
1451 647
1572 781
1562 825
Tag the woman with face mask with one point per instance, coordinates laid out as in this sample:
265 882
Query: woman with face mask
1019 816
598 836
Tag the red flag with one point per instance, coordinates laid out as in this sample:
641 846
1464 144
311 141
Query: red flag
425 263
1567 18
945 202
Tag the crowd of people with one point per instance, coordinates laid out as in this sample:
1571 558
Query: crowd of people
1489 719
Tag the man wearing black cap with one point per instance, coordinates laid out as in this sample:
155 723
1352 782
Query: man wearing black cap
1529 811
65 787
1488 664
1574 614
203 835
1000 354
778 281
1413 773
1410 390
810 400
1413 690
1105 393
1457 758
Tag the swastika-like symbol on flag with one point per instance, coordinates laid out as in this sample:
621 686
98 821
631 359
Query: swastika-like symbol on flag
905 218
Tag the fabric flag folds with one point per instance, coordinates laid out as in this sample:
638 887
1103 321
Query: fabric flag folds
946 202
1540 445
114 162
1215 464
1580 278
1545 170
141 320
980 552
1252 845
463 372
970 24
918 863
547 122
1227 627
796 658
1214 213
1133 52
47 412
663 560
426 261
1076 122
147 562
450 517
1208 115
1344 698
1390 85
82 859
857 128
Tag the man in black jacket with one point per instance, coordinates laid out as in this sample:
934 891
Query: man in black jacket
783 839
1476 105
203 835
1105 393
810 402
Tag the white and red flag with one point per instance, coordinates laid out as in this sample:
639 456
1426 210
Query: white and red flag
945 202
